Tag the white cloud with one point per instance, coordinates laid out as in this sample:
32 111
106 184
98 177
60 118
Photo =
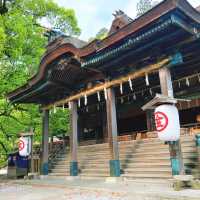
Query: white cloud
130 8
93 15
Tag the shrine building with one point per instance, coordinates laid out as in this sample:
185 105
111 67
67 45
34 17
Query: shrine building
106 83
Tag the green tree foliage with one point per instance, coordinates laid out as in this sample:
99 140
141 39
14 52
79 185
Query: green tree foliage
22 43
102 33
145 5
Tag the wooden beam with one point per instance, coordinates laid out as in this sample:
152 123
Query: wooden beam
115 82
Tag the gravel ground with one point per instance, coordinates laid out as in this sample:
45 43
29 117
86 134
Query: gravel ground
48 189
9 191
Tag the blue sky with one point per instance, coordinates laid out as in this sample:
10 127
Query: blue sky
93 15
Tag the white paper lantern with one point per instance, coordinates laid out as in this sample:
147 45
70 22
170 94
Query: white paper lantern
24 146
167 122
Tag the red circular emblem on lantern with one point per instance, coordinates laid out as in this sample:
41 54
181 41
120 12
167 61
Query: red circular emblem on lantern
161 120
21 145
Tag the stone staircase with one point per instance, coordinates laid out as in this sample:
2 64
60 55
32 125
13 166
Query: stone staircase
149 159
140 159
190 156
93 161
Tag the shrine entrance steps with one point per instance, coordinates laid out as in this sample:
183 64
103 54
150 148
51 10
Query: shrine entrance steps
140 159
190 156
149 159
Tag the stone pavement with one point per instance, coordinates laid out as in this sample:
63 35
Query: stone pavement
51 189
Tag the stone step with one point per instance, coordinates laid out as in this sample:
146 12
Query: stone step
150 175
188 144
157 170
59 174
64 171
146 165
152 148
187 139
103 156
95 171
93 176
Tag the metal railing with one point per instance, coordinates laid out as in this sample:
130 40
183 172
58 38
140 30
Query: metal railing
54 149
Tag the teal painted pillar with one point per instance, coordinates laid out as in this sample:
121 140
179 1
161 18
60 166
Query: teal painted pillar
198 140
74 139
45 143
198 147
112 133
176 158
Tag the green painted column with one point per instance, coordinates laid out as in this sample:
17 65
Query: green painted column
45 143
74 139
112 133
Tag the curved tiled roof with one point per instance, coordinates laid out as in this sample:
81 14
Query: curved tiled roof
82 51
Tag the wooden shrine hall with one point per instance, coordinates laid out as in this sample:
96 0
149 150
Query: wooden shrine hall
106 82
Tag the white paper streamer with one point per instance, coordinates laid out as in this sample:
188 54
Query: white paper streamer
134 96
199 77
79 103
179 84
98 108
121 88
63 107
122 100
69 105
130 84
54 109
85 99
105 94
150 91
147 79
98 96
187 82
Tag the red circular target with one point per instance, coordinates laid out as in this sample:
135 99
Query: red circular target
161 120
21 145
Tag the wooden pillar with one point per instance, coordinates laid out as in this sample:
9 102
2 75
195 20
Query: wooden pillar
45 143
174 147
104 127
74 139
112 133
150 118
